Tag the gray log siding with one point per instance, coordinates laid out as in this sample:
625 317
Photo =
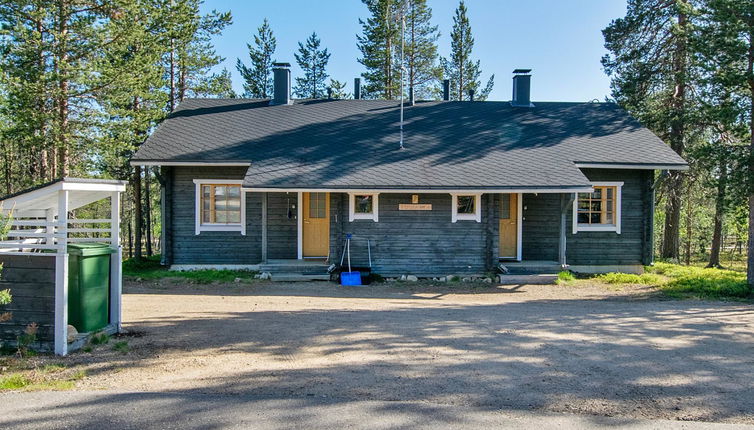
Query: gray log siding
541 225
282 232
212 247
31 281
422 243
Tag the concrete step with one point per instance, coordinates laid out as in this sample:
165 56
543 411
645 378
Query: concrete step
531 279
297 277
294 268
532 267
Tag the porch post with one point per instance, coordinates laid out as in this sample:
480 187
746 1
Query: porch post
61 277
300 224
566 200
264 227
116 276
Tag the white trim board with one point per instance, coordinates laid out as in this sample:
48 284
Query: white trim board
420 191
604 227
300 225
189 163
631 166
519 229
199 227
476 216
374 216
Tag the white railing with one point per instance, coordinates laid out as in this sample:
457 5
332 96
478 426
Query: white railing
32 236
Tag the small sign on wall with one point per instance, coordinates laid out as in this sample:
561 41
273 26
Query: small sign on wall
415 207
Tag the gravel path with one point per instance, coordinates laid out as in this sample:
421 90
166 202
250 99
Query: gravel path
583 350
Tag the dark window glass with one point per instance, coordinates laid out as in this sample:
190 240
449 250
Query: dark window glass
364 204
466 205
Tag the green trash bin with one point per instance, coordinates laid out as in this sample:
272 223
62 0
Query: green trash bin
88 285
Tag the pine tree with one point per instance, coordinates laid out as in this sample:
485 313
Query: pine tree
420 39
651 73
338 89
193 54
313 63
25 85
377 43
258 76
459 67
727 45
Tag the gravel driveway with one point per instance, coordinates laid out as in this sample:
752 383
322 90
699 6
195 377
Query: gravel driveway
585 350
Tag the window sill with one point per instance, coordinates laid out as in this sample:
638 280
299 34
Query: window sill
221 227
467 217
370 217
592 227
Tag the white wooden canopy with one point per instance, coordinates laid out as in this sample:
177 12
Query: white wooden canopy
41 228
35 202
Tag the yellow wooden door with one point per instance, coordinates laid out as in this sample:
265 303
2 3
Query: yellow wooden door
316 240
509 226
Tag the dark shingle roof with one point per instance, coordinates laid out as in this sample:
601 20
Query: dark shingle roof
354 143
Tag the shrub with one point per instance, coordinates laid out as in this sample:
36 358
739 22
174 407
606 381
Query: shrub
25 339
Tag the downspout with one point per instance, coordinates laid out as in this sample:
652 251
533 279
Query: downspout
566 202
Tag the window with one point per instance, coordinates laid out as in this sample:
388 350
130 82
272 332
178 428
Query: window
317 205
467 207
598 210
363 206
219 206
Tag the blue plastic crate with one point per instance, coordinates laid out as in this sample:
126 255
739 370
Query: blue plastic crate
350 278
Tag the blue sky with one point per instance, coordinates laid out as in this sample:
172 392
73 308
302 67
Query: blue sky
560 40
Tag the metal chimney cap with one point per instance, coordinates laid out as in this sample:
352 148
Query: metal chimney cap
517 71
281 65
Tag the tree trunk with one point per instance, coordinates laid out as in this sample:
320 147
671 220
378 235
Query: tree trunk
130 239
136 184
689 225
148 211
62 67
44 170
717 230
670 242
172 75
388 53
182 81
750 248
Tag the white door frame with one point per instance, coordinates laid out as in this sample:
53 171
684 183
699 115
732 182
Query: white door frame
519 226
300 223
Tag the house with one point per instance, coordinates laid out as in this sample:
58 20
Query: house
462 187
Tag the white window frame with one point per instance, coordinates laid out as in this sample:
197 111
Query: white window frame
353 215
476 216
601 227
202 227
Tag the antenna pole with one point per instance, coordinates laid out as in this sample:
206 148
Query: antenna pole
403 28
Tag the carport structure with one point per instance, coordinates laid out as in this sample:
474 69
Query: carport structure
35 253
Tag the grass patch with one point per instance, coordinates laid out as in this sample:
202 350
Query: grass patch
50 377
15 381
149 268
565 277
677 281
121 346
630 278
100 339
